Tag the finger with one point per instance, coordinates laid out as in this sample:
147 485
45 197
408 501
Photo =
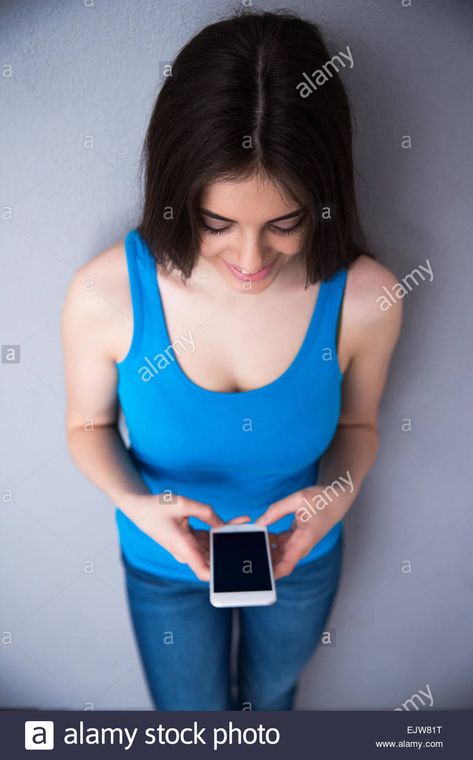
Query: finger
280 539
203 511
196 561
282 569
277 510
239 520
192 549
276 556
202 538
281 536
277 552
285 562
200 535
204 548
277 542
292 551
200 568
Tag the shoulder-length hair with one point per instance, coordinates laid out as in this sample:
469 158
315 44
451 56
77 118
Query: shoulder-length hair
232 109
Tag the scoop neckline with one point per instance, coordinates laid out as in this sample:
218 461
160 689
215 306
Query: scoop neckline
263 389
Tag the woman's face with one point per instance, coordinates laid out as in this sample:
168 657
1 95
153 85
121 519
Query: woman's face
249 233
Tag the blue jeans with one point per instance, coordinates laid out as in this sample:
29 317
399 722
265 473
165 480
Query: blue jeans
185 643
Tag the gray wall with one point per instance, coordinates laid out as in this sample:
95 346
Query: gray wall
80 71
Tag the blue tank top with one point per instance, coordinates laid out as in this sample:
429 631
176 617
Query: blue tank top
237 451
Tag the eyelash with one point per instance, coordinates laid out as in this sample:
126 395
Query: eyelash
276 230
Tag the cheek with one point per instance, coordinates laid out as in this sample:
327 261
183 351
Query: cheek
290 246
210 246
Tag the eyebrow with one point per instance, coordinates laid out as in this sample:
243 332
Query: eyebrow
292 214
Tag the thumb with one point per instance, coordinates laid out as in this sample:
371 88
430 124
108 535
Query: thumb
203 512
275 511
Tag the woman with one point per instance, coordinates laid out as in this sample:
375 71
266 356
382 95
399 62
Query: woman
248 393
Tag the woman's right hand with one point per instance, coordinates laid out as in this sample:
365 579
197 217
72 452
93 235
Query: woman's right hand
168 525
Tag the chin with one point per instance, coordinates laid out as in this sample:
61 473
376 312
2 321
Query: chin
248 288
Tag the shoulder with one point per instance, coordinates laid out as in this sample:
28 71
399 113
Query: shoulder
104 278
98 295
366 295
105 273
367 283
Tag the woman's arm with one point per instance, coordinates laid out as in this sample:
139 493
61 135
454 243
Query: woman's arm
92 408
374 336
371 335
90 321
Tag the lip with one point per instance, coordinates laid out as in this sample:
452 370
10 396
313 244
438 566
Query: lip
251 277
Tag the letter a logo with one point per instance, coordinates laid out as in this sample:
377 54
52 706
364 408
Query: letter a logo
39 734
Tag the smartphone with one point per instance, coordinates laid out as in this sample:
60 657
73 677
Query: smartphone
241 571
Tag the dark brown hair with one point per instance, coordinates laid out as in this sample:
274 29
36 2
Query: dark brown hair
230 110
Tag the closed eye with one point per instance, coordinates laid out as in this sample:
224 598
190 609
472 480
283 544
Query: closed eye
215 231
272 227
286 230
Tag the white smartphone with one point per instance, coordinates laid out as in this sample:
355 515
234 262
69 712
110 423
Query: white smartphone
241 571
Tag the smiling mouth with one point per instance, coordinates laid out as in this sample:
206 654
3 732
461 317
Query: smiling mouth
261 274
250 274
243 271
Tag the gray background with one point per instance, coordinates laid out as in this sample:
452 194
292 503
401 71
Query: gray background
81 71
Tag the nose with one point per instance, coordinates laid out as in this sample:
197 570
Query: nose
253 255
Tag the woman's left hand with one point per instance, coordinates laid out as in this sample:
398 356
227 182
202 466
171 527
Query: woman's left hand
315 513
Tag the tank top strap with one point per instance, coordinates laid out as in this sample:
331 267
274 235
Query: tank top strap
328 327
145 298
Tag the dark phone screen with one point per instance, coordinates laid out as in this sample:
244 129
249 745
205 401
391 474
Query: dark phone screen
240 562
